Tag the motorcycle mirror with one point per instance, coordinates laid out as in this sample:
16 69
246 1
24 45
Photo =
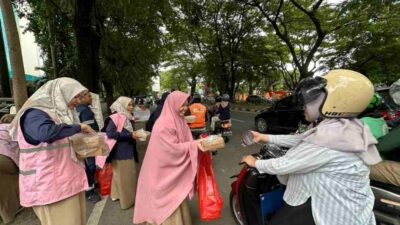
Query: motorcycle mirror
247 138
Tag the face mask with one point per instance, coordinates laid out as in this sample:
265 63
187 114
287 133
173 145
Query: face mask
313 107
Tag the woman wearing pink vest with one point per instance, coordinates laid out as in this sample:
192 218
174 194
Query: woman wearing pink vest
52 180
9 154
119 127
167 176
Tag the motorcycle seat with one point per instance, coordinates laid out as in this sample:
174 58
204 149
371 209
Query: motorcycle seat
388 187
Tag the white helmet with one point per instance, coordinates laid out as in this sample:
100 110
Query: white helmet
348 93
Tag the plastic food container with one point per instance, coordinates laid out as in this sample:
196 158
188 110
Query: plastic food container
89 145
213 142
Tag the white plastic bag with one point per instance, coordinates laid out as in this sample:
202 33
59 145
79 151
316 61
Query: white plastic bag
142 134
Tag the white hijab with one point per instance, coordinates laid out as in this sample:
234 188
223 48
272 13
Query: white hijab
53 98
121 105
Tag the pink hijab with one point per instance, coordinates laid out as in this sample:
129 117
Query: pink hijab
169 168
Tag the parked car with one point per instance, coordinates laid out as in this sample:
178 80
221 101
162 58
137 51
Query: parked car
283 117
257 99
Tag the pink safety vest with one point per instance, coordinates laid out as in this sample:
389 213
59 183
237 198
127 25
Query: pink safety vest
8 147
47 172
119 121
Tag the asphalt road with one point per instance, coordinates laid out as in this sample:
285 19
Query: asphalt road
225 164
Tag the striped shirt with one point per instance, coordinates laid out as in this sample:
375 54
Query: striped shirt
336 181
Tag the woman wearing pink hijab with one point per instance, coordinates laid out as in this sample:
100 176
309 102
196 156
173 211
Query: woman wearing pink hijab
167 176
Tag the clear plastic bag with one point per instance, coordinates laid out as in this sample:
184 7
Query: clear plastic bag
89 145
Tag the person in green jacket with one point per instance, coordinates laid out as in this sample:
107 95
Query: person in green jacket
373 119
387 171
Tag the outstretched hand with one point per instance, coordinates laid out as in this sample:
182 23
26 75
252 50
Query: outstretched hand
257 137
135 136
249 160
200 145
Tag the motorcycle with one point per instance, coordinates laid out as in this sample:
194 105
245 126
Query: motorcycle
197 132
223 128
255 197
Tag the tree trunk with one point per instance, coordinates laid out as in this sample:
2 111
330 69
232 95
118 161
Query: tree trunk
20 92
4 80
251 87
84 41
193 84
96 43
52 40
109 93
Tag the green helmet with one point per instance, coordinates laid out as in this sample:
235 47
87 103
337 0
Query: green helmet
375 102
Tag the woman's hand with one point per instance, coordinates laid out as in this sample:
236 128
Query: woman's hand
257 137
135 136
200 145
86 129
249 160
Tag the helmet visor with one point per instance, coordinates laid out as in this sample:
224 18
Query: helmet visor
309 89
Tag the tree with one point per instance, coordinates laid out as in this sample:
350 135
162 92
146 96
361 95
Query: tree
172 80
302 25
131 45
117 41
372 43
87 44
213 32
18 75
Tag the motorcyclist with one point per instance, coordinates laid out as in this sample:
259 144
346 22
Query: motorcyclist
327 167
388 171
223 111
374 119
199 110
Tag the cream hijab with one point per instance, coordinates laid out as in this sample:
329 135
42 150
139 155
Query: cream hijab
53 98
121 105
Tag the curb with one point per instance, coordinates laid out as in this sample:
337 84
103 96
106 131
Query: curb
246 109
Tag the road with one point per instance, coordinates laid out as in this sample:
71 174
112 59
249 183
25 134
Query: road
225 164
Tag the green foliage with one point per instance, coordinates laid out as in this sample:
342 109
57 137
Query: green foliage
131 46
39 14
226 45
171 80
372 44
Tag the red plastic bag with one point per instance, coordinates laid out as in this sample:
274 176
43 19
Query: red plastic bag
210 200
104 177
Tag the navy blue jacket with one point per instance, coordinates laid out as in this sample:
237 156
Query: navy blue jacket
224 113
125 148
37 126
86 116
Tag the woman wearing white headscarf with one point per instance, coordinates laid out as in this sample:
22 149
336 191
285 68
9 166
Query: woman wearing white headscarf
51 181
120 126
